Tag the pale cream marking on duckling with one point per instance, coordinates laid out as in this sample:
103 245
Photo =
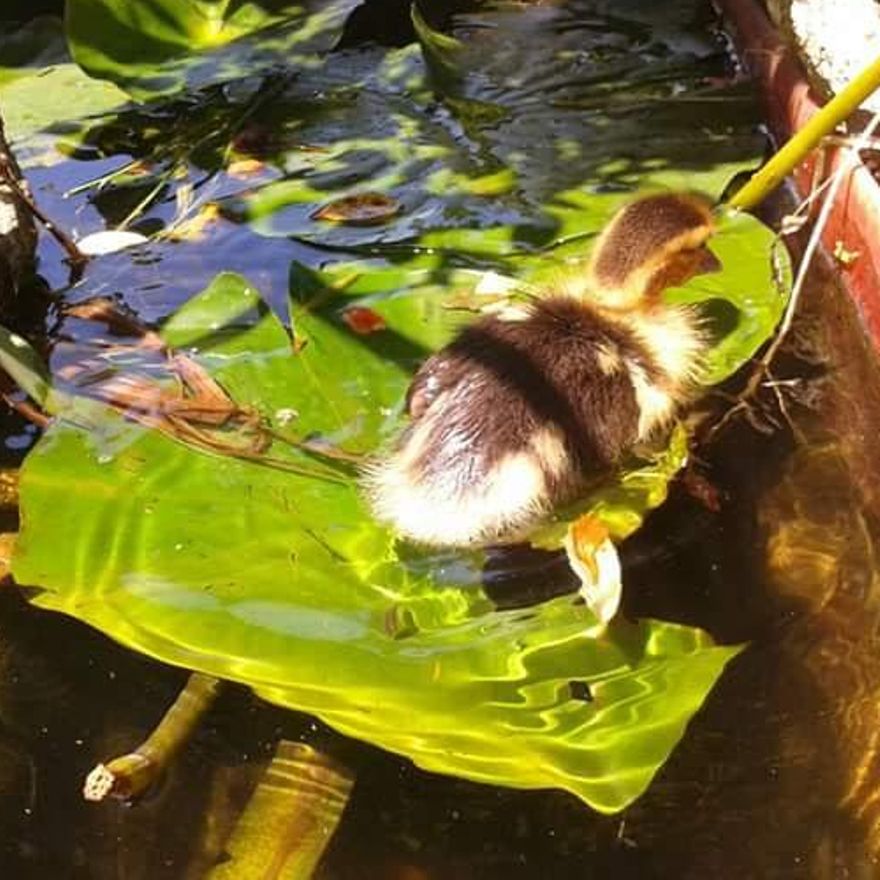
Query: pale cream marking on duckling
675 343
656 404
512 493
674 340
549 447
444 513
608 359
517 483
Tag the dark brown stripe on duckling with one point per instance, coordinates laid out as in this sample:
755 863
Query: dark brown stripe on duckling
501 382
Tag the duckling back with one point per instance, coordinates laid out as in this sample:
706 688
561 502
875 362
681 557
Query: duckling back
511 419
522 413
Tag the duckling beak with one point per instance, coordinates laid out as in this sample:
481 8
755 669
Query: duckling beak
678 269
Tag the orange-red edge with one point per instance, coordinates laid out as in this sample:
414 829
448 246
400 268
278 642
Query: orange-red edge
788 102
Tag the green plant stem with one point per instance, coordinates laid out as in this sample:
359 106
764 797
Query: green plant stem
130 775
793 151
290 819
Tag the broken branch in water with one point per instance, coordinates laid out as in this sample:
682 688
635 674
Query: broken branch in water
18 234
131 774
290 818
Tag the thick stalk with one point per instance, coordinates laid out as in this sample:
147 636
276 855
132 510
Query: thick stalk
290 819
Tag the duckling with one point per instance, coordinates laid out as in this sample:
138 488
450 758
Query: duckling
525 409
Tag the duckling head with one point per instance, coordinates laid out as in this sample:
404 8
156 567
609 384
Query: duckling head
653 243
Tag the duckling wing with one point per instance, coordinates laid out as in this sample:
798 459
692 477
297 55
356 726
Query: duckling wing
436 375
559 380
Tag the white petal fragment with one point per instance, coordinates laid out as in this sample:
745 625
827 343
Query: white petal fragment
598 568
109 241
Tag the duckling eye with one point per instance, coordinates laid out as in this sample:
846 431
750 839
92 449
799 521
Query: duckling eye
705 261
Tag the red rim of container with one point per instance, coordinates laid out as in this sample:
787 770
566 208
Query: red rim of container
788 102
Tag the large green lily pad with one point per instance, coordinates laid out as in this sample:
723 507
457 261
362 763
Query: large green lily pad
283 581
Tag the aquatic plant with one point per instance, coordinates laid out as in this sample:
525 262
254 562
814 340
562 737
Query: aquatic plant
229 537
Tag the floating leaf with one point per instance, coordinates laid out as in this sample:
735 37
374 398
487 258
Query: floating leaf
286 583
363 320
39 85
363 209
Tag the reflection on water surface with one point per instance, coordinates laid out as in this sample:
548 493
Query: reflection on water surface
778 775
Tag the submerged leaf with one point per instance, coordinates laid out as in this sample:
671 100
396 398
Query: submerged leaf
359 210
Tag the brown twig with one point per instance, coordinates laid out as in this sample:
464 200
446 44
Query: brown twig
199 412
76 257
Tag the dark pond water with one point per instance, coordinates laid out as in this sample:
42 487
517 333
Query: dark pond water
778 774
